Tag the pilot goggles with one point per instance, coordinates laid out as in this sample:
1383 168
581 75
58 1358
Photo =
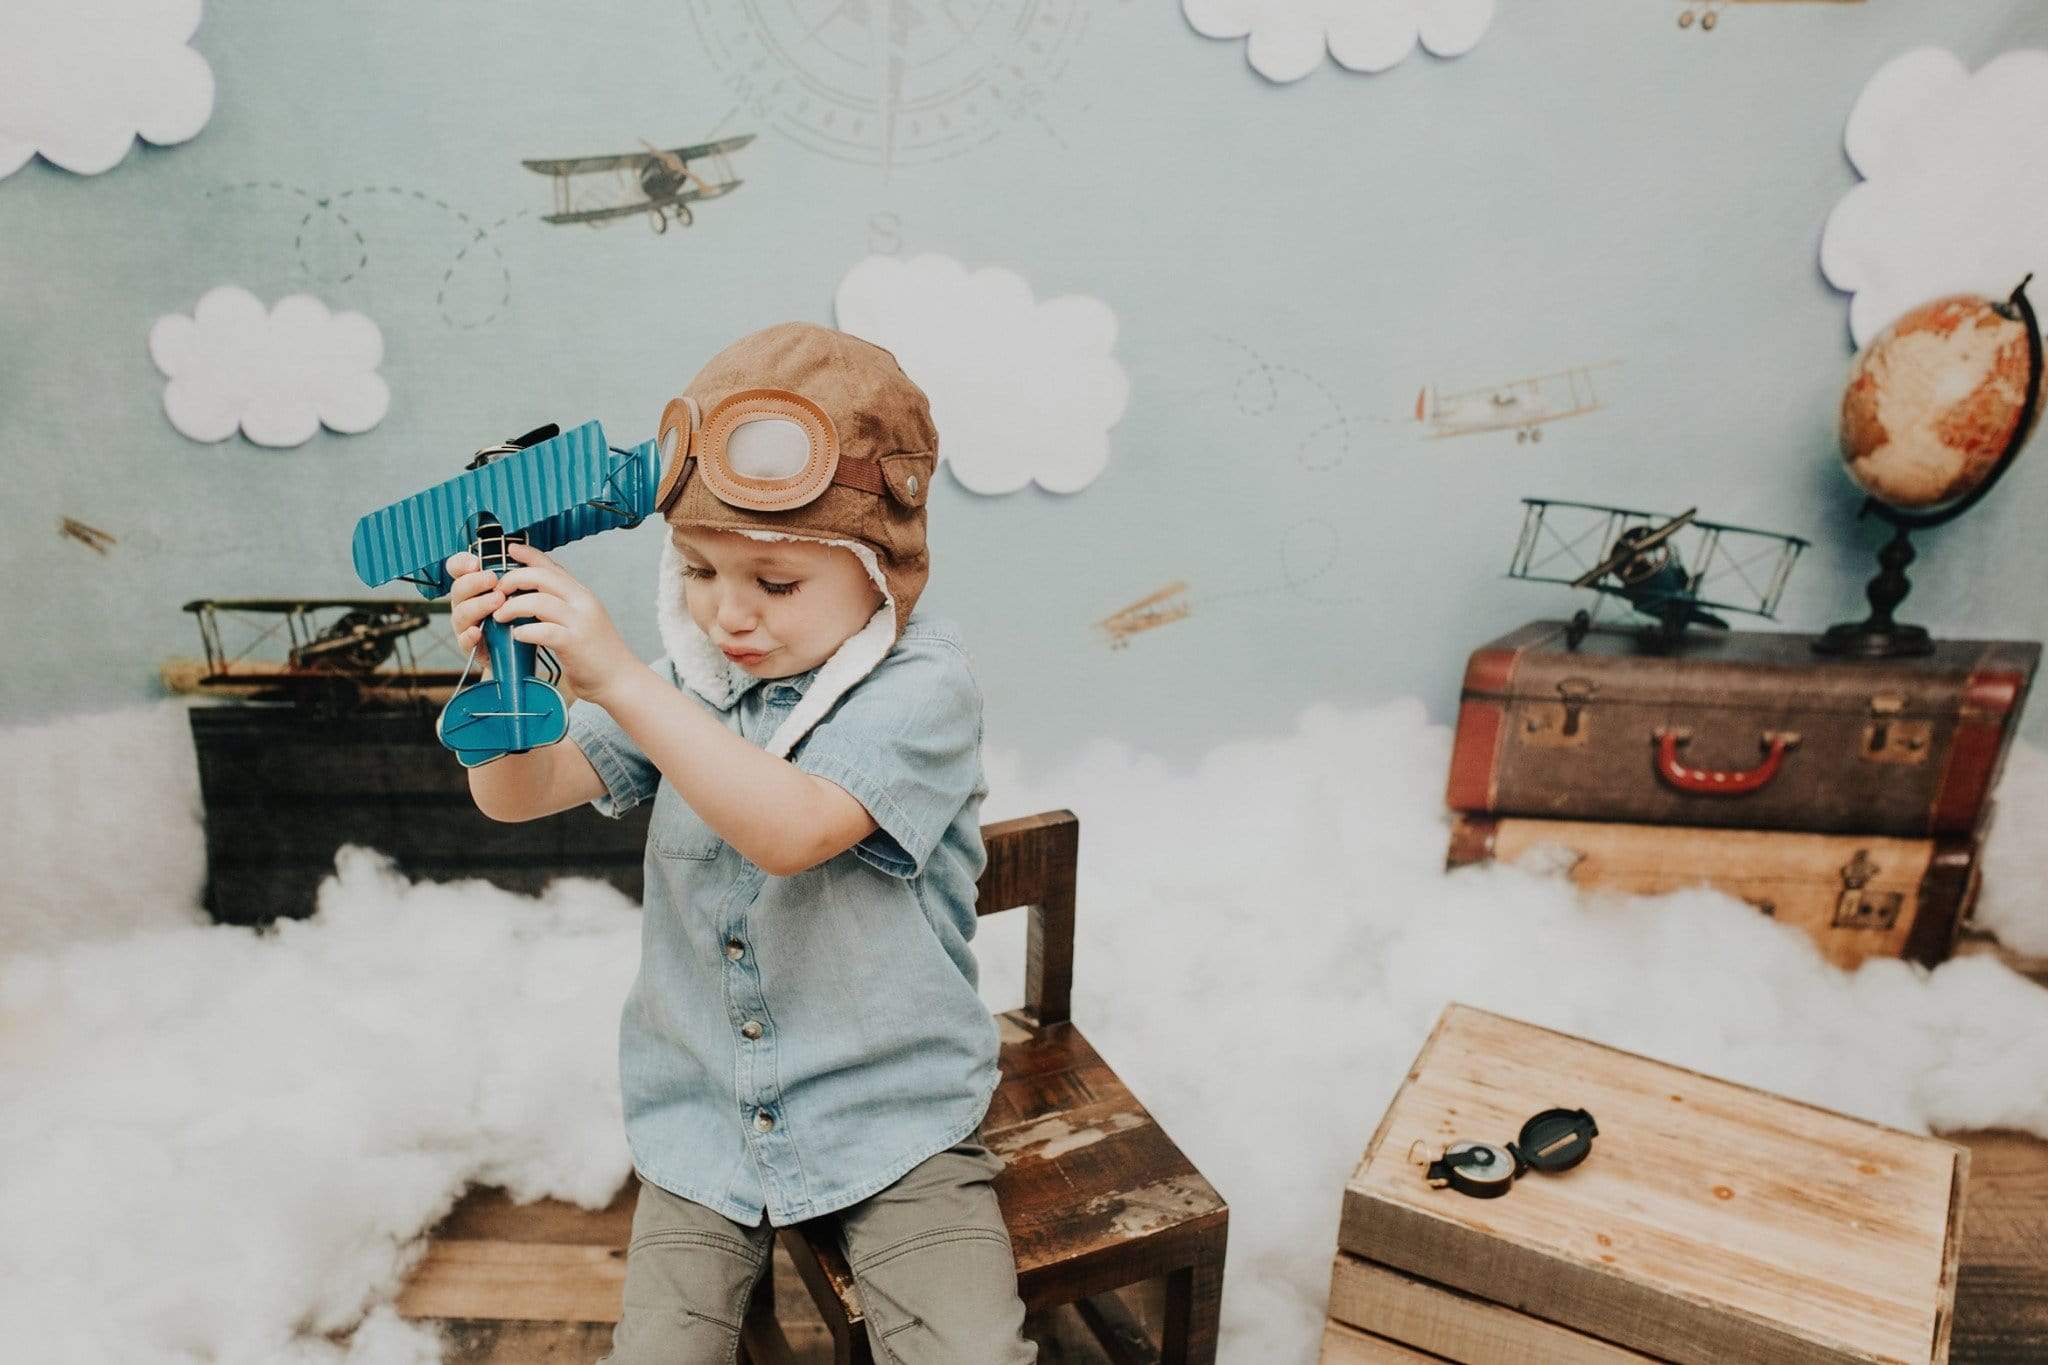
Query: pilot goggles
763 450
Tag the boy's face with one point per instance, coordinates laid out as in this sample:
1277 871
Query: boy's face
776 608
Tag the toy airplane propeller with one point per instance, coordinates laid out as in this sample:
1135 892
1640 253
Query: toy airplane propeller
544 489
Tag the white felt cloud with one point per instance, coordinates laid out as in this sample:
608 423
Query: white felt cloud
1952 198
1021 391
1288 37
79 79
277 375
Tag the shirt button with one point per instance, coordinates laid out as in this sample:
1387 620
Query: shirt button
750 1030
763 1120
735 949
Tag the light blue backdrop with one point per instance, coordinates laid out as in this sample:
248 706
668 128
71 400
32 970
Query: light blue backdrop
1590 184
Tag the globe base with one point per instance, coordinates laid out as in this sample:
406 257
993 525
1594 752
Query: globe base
1874 640
1878 636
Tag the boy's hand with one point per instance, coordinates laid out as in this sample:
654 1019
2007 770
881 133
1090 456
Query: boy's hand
566 618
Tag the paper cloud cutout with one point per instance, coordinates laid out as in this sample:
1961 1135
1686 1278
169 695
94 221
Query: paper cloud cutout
1288 37
1021 391
278 375
79 79
1952 198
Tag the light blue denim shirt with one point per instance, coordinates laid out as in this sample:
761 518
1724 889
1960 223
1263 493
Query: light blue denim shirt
794 1044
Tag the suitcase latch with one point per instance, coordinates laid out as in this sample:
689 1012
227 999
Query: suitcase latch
1890 739
1564 721
1859 907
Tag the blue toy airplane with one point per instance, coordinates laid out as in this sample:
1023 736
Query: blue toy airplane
545 489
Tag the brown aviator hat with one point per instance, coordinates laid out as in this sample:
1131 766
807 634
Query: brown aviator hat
798 431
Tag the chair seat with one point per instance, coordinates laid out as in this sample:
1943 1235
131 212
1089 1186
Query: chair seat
1095 1194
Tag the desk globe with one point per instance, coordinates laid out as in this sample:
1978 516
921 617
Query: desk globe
1937 407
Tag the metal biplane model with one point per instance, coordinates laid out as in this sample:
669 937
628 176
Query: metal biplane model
662 180
1635 556
331 666
1522 405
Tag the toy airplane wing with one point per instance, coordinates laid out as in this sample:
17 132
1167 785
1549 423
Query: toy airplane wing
581 165
560 490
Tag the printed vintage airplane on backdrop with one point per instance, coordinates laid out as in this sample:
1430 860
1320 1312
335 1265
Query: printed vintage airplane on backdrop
662 180
1522 405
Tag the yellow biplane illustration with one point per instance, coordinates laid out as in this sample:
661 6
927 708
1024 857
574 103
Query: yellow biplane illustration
1147 613
657 182
1521 405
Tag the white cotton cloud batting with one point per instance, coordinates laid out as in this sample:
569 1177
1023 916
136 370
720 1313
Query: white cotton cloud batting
1288 37
1949 201
80 79
278 375
223 1146
1021 391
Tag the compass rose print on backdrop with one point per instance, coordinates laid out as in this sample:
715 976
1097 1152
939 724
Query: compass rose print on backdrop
1287 38
888 82
278 374
80 80
1951 199
966 338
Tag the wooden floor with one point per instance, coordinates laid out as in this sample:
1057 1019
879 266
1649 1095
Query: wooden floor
522 1286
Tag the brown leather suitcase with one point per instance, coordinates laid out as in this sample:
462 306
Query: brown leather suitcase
1857 896
1747 729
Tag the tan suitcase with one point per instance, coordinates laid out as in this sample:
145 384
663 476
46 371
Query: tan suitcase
1857 896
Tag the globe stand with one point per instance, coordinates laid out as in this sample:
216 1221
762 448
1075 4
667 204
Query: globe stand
1878 636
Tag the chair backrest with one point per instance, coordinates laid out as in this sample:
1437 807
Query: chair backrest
1031 864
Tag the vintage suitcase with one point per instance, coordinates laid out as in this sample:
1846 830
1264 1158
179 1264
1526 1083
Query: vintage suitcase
283 791
1857 895
1745 729
1711 1222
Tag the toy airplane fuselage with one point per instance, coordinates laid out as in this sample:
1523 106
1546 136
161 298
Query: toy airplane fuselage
543 489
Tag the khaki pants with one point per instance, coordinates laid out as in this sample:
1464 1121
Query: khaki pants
930 1256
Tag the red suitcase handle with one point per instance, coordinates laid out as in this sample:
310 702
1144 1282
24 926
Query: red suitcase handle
1719 782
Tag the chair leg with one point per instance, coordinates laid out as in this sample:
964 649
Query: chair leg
1194 1306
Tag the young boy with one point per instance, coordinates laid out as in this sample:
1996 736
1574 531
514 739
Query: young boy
805 1035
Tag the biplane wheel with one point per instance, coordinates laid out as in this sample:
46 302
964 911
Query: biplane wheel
1520 436
684 216
1581 622
1685 18
1708 20
1536 433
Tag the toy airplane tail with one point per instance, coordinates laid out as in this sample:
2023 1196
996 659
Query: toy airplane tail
545 489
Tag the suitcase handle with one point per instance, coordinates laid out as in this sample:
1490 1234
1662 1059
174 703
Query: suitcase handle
1719 782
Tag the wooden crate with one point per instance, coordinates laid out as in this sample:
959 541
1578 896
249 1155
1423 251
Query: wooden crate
1856 895
1712 1221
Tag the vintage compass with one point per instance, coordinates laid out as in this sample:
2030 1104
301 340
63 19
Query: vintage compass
1552 1141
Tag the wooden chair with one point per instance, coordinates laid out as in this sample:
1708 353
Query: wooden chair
1096 1196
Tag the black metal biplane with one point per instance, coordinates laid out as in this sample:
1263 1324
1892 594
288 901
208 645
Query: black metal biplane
657 181
333 663
1636 557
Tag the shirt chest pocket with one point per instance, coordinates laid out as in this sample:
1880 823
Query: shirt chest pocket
675 831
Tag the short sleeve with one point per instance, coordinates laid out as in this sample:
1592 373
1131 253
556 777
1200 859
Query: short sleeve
906 743
630 776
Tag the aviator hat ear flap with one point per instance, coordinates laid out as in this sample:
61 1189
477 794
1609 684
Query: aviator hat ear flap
677 433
